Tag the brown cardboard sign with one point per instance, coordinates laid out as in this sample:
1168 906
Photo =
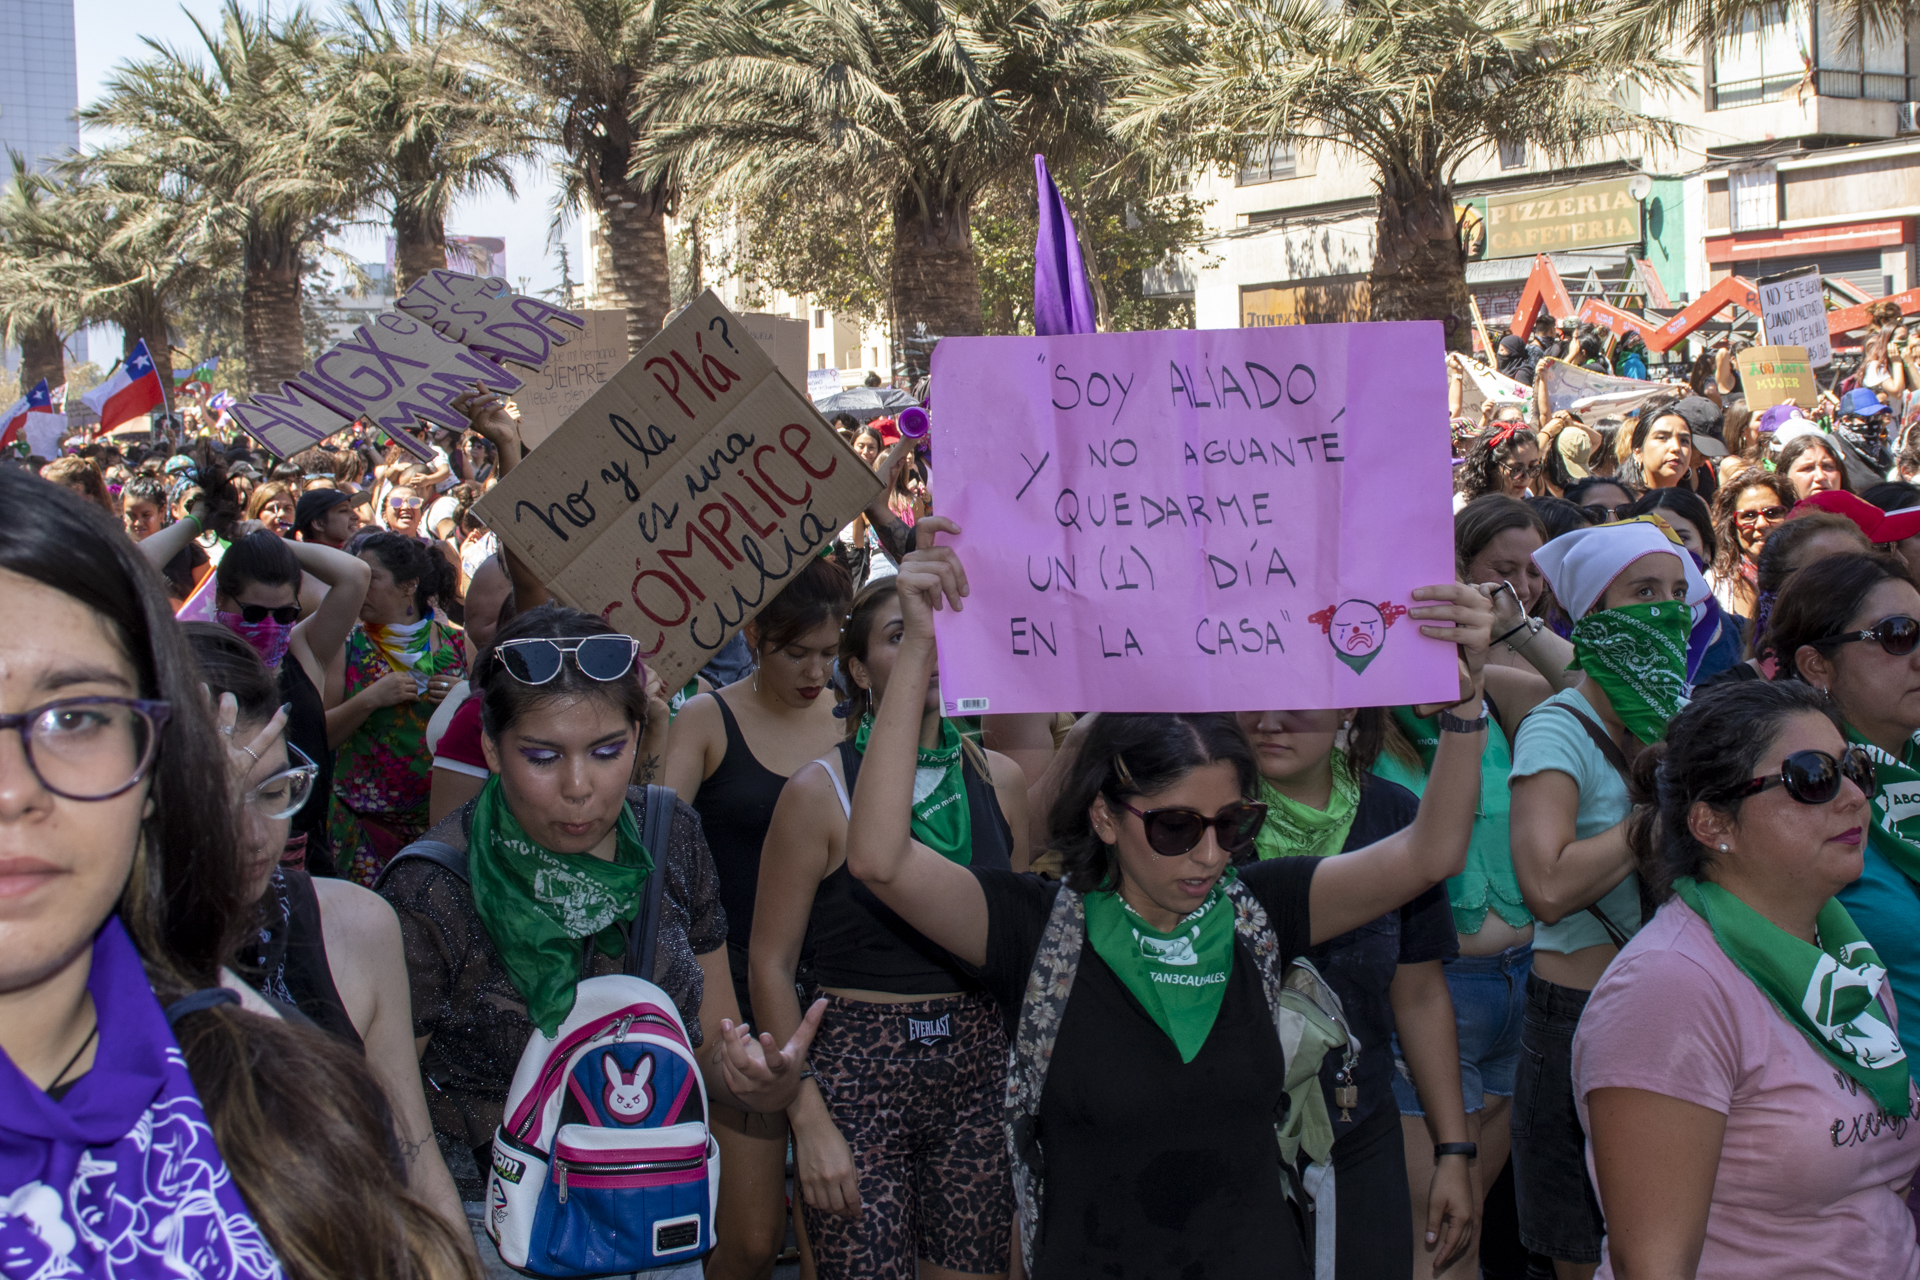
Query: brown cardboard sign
684 494
1776 375
784 339
571 375
487 317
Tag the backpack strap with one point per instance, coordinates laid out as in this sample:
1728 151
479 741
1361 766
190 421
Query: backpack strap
1049 984
435 851
1611 753
655 830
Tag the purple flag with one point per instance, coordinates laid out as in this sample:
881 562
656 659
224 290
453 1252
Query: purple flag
1062 298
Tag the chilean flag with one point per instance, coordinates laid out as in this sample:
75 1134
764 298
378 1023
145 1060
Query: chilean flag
133 389
38 400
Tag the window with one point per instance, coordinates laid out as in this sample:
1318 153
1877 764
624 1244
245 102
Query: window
1767 61
1753 198
820 322
875 362
1266 162
1513 155
820 361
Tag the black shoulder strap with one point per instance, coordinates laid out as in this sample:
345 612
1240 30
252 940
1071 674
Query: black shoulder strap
655 832
438 851
1610 751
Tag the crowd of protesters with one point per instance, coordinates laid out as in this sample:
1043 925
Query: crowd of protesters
315 810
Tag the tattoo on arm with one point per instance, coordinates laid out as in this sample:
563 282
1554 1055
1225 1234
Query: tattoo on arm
649 769
410 1151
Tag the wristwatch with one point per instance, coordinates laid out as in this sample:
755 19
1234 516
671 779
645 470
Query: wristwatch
1451 723
1471 1150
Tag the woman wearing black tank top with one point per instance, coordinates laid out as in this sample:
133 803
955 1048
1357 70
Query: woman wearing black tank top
899 1149
729 756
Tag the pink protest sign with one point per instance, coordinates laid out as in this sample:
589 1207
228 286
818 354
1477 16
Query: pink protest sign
1212 520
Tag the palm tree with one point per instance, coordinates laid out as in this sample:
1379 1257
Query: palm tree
35 321
922 102
247 144
433 127
580 64
1414 87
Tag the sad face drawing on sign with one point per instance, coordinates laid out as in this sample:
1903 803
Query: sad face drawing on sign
1356 629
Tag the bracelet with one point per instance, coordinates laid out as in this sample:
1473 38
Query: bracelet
1450 723
198 527
1471 1150
1534 627
1520 626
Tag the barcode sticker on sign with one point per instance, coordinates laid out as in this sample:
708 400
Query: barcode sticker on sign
971 706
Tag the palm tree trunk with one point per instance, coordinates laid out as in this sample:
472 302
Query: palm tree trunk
42 354
145 318
420 246
631 271
1419 266
935 282
270 321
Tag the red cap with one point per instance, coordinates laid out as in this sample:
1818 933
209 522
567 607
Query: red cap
1879 526
888 429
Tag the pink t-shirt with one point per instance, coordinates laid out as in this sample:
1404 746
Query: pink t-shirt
1813 1174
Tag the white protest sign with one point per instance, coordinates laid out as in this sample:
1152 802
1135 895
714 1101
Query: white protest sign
684 494
1793 313
1213 520
822 383
1479 384
571 375
1593 394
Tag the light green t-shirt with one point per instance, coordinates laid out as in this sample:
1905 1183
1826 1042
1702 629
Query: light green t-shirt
1554 740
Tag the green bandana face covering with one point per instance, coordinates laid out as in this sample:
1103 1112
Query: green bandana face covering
941 819
1294 830
1637 654
1829 992
537 905
1179 978
1896 806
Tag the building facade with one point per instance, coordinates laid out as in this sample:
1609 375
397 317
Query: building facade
39 79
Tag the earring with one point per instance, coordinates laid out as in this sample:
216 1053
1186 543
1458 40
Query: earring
1723 846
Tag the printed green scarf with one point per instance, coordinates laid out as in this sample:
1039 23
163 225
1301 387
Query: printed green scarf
1896 806
1637 654
1488 883
537 904
941 818
1293 829
1179 978
1829 992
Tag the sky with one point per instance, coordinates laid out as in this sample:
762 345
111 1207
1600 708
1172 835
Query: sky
108 33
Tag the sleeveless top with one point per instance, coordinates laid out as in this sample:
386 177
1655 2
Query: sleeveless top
307 730
736 808
287 961
858 942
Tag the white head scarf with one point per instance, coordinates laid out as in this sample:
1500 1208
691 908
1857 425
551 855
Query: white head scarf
1581 565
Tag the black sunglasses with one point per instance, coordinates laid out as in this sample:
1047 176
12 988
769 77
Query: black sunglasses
286 615
1897 635
1605 514
537 660
1172 832
1813 777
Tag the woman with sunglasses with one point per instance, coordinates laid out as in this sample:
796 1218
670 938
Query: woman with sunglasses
1737 1065
490 957
1603 498
1849 626
1157 1118
400 662
1630 588
898 1146
1748 507
1506 459
123 1050
325 947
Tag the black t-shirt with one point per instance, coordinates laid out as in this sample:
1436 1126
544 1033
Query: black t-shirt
1154 1167
1360 964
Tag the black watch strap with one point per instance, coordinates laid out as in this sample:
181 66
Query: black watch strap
1471 1150
1451 723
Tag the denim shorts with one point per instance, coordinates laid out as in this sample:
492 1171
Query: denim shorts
1559 1216
1489 1003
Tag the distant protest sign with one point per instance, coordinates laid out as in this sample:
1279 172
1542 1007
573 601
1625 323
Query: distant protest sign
784 339
1776 375
1479 384
684 494
406 366
1593 394
1210 520
571 375
1793 313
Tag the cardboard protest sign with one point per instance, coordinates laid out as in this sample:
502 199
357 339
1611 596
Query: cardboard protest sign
487 318
1776 375
784 339
1593 394
1195 520
1479 384
571 375
1793 313
681 497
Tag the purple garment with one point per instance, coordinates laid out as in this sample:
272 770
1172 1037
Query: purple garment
1705 629
121 1177
1062 297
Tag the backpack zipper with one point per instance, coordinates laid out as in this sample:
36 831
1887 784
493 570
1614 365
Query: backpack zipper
560 1168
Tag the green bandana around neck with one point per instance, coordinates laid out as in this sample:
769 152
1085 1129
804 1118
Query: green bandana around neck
537 904
1896 806
941 819
1829 992
1294 830
1179 978
1637 654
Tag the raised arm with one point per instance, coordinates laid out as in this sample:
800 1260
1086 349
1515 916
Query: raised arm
939 898
487 411
1352 888
163 545
346 577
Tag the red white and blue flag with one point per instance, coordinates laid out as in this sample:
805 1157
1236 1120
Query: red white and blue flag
133 389
38 400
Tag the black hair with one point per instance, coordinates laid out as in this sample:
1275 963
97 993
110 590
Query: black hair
410 560
1776 565
1133 754
229 664
1686 504
1480 475
818 593
1559 516
856 635
146 488
259 557
1893 495
1711 750
1577 493
1486 518
1791 451
1821 599
505 700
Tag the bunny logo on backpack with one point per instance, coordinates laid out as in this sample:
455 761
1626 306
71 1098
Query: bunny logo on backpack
628 1095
